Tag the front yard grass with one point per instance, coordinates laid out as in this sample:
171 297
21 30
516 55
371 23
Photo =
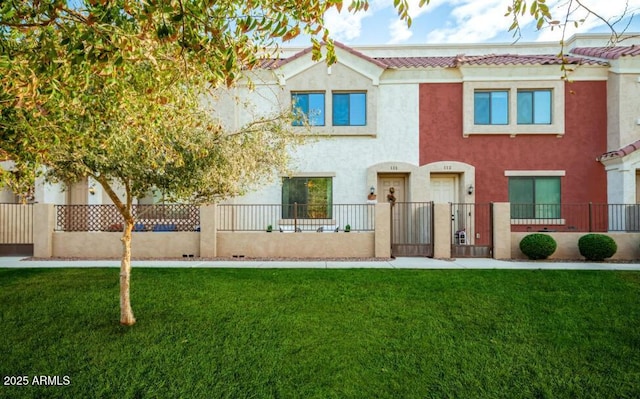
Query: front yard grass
247 333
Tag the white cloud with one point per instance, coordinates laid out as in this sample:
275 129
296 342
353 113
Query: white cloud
398 29
473 21
347 25
464 21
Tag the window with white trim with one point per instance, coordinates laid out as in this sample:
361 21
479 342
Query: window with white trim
535 197
513 107
491 107
309 108
307 197
534 107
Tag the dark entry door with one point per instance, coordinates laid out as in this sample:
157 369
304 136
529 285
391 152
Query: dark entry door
412 229
472 230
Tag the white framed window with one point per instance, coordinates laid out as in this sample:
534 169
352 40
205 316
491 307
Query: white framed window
534 107
535 196
513 107
308 197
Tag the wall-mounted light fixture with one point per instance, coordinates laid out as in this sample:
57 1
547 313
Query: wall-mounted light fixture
92 189
372 194
470 189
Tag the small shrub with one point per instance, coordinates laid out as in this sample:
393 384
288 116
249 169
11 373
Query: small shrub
538 246
597 247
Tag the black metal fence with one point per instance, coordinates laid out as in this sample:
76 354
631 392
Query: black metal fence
296 217
174 217
587 217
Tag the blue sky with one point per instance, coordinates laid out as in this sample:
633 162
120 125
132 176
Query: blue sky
466 21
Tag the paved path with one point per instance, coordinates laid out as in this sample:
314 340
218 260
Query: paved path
399 263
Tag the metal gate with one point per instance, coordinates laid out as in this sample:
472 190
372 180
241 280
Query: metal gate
412 229
16 230
471 230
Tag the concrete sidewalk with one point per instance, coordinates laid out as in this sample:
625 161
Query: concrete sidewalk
399 263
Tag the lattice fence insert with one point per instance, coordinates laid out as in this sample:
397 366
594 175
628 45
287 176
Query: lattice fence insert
177 217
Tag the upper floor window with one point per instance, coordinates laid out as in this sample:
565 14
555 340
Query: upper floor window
349 109
308 107
513 107
491 107
534 107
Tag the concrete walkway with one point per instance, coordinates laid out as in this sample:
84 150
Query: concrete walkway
399 263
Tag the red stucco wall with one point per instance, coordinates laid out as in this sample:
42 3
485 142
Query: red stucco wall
585 138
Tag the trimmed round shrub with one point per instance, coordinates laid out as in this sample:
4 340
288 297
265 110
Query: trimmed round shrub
538 246
597 247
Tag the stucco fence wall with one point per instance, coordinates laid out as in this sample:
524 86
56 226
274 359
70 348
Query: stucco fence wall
209 242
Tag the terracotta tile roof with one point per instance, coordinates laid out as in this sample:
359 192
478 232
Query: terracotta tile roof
418 62
607 53
459 60
490 59
626 150
577 56
277 63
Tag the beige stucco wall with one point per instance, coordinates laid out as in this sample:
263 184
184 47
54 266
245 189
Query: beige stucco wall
501 230
628 245
623 109
296 245
108 245
383 231
442 231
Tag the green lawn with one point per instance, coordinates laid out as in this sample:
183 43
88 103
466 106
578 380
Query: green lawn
246 333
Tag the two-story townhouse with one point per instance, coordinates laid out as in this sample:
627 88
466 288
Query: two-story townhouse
446 123
362 128
465 123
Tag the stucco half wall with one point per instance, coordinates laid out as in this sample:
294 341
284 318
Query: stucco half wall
102 245
628 245
297 245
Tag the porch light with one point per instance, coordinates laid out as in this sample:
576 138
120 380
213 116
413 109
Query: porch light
470 189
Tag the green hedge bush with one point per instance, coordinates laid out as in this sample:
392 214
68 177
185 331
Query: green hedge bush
597 246
538 246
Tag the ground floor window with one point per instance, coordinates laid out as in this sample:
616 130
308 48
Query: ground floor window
534 197
307 197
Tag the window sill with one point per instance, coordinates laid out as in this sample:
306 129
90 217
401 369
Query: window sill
362 131
538 221
513 130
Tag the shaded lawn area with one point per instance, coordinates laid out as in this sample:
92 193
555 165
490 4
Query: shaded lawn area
247 333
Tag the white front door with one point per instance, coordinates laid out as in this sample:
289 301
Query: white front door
443 188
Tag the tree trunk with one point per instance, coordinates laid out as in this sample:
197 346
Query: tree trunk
126 312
